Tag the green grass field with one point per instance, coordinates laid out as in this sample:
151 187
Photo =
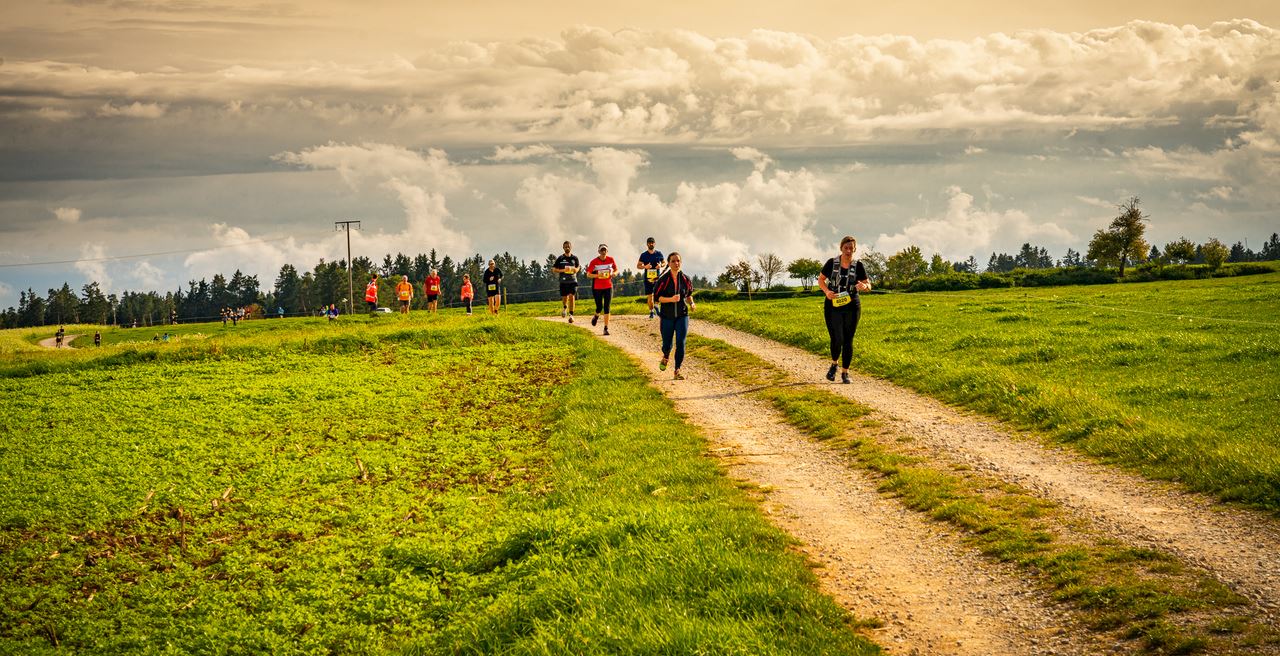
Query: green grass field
421 485
1180 380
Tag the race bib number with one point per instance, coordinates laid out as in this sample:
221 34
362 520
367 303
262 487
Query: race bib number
493 288
605 273
842 299
571 269
651 274
435 289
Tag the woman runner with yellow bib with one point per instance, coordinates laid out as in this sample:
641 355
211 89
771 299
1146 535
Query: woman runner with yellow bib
492 278
841 279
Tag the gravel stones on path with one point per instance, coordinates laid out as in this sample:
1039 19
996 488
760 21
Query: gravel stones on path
1240 547
880 560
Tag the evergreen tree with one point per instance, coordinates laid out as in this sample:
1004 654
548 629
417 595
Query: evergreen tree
288 289
62 305
1271 249
94 307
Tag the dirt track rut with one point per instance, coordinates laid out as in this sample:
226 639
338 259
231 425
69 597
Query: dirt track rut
934 595
1242 548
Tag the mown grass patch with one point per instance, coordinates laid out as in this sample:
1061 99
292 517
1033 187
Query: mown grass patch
1139 594
1175 379
431 486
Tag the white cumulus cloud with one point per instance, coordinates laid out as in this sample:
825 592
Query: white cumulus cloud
418 180
633 86
710 225
147 275
135 110
92 266
67 214
965 230
520 154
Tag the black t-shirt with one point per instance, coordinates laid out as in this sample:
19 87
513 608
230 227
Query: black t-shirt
491 280
666 285
841 279
565 261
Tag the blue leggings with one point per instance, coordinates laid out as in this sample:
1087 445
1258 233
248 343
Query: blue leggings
678 328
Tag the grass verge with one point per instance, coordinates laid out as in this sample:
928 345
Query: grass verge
441 486
1174 379
1138 594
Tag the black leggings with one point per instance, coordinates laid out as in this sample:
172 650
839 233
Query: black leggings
603 298
841 325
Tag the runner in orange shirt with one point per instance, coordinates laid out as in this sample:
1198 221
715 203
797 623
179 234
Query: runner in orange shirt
404 292
370 297
468 292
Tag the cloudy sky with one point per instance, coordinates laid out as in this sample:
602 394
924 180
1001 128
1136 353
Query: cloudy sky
224 134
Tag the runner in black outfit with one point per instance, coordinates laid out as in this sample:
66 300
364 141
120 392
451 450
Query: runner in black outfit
567 266
493 286
841 279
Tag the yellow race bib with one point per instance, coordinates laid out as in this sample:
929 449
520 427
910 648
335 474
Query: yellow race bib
842 299
651 274
571 269
493 288
605 273
435 289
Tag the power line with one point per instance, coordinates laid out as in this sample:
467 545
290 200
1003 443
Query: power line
157 253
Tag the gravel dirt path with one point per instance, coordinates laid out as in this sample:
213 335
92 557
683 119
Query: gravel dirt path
1241 547
880 560
52 342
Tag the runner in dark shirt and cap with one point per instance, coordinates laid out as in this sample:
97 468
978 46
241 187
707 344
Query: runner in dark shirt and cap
650 266
567 266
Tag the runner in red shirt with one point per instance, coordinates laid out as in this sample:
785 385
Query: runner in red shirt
370 296
468 292
432 289
601 272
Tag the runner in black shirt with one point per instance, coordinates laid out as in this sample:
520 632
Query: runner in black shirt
493 286
650 265
567 266
841 279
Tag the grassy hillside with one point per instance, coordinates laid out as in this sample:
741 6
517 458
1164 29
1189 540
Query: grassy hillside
1180 380
426 485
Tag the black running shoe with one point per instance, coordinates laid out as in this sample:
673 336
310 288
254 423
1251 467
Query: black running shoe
594 319
844 378
606 331
831 373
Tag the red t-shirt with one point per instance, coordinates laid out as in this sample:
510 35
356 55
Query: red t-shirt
432 286
600 265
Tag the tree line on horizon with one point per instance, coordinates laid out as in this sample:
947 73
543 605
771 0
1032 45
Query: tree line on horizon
293 292
1122 244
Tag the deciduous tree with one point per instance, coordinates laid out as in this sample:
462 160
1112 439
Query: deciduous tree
806 270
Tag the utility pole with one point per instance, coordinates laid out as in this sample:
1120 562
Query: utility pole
351 295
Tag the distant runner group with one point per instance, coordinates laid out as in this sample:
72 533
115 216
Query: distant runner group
669 294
